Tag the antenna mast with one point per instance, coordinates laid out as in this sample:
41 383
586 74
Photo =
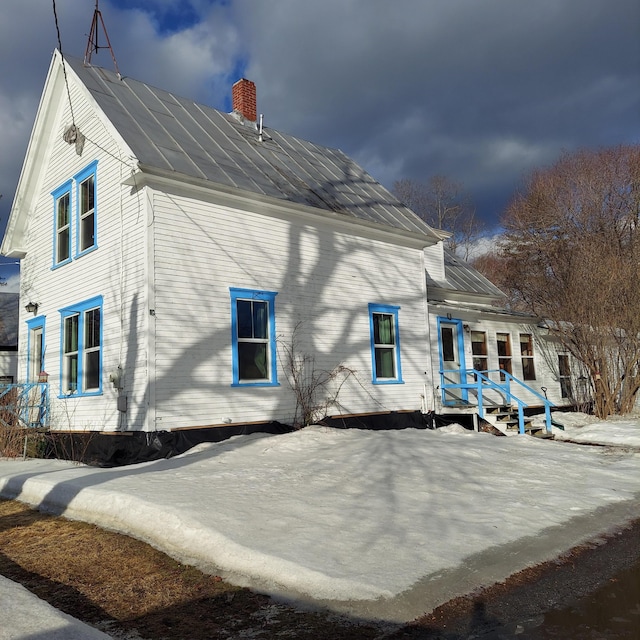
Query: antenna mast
92 42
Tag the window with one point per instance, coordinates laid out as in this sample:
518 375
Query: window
82 348
479 350
78 214
253 337
526 352
86 209
62 227
385 344
564 370
504 353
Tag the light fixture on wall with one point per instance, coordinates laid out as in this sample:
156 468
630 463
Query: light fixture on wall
467 328
31 307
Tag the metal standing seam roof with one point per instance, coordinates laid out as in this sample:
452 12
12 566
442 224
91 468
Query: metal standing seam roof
171 133
460 276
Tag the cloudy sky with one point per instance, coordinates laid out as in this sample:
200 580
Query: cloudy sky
481 91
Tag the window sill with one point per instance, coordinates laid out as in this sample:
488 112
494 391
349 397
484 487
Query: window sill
255 384
84 252
57 265
85 394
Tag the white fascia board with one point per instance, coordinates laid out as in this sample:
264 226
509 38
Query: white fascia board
239 199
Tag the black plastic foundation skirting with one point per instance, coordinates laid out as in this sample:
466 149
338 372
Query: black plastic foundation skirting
117 449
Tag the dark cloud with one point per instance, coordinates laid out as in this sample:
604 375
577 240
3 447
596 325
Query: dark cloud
480 91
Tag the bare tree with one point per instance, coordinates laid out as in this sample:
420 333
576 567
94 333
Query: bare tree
443 204
572 255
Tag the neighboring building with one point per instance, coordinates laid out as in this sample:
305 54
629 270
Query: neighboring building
172 252
9 337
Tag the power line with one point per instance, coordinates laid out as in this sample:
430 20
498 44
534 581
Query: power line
64 68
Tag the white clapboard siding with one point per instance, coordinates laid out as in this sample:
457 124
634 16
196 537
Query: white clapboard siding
324 280
545 354
116 271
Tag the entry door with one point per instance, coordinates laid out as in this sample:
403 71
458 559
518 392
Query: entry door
451 361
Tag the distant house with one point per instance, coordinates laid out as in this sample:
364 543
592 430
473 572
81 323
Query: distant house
172 253
9 337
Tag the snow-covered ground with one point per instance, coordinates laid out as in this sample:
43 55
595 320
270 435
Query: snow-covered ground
23 616
350 515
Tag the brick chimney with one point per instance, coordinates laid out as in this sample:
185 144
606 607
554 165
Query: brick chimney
243 95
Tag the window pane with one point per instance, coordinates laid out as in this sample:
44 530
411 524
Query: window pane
448 351
87 232
385 363
63 211
63 245
92 328
260 319
383 328
504 348
91 373
528 369
87 195
252 361
71 334
72 365
526 344
479 343
244 319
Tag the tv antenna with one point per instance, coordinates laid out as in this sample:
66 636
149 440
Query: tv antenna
92 42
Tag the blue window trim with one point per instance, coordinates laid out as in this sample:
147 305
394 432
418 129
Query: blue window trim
393 311
253 294
38 322
80 309
62 190
79 178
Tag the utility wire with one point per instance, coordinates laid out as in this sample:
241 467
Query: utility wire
64 68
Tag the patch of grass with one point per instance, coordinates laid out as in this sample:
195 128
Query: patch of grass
126 587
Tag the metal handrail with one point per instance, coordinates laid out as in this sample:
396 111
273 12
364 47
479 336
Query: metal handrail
482 383
25 404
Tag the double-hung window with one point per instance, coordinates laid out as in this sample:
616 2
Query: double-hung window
503 341
62 226
82 348
385 344
253 337
75 216
526 352
86 209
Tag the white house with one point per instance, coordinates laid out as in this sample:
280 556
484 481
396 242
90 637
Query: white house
172 254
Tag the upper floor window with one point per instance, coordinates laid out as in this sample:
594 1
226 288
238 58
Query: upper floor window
385 343
86 209
82 348
62 224
253 337
75 216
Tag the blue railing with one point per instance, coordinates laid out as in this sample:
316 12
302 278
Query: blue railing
482 383
25 405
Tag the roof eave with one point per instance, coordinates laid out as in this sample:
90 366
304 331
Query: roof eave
151 175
